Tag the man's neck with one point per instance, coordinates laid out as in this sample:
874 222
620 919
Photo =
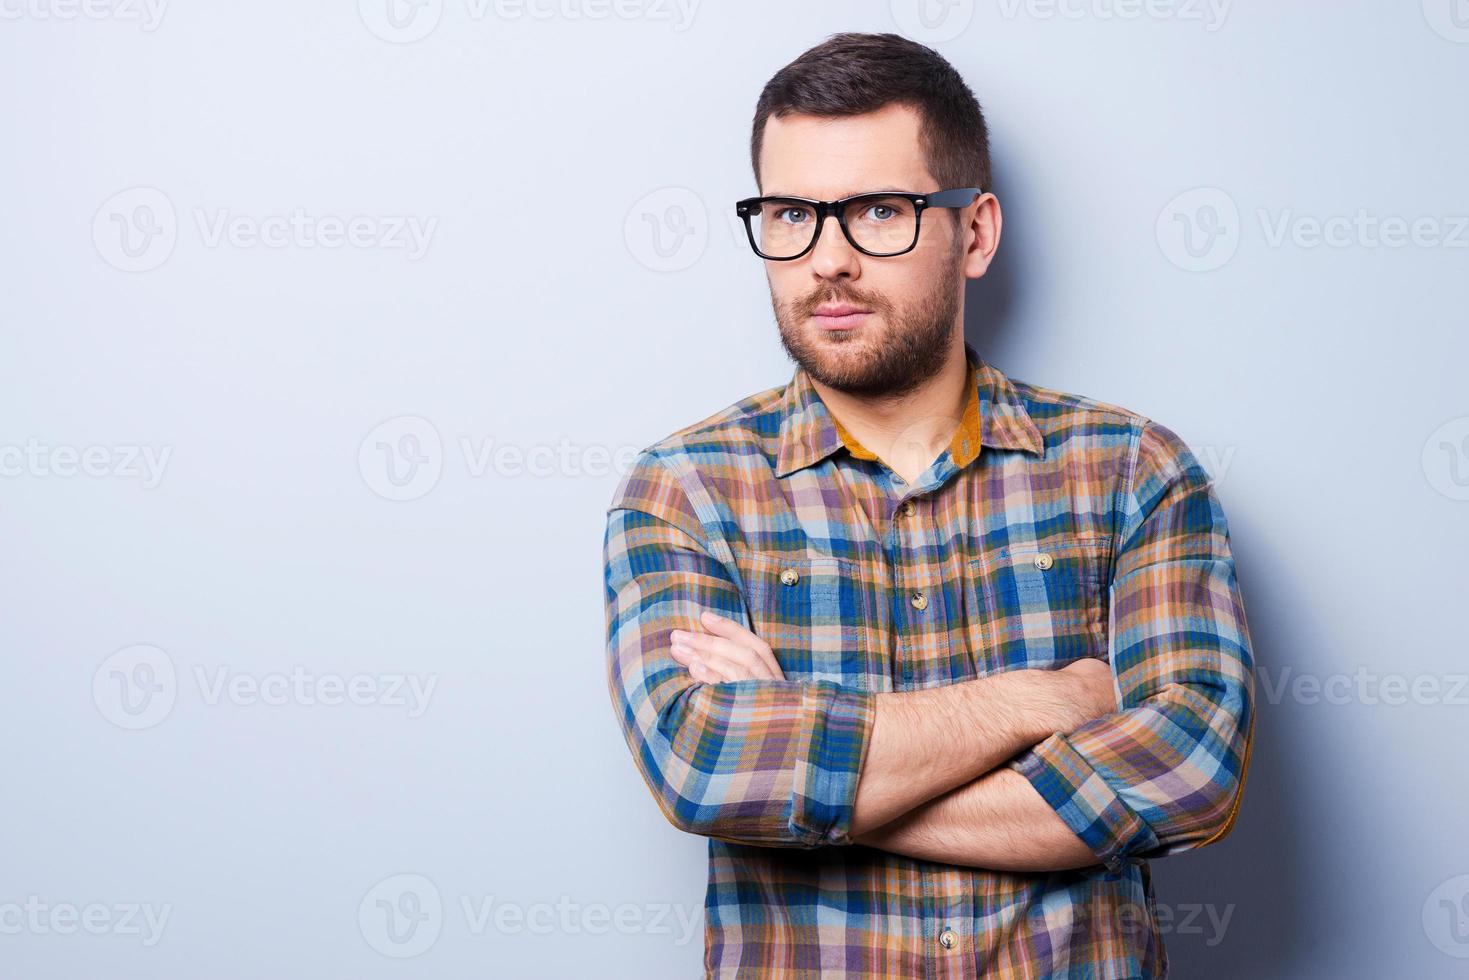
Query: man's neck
909 432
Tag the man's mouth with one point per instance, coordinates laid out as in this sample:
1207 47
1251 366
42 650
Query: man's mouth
839 316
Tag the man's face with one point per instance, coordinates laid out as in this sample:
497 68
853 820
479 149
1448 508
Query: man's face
914 300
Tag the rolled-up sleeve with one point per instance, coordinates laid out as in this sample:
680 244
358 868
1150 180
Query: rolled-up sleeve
764 762
1166 772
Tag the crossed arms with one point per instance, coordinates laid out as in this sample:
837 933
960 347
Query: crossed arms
1023 770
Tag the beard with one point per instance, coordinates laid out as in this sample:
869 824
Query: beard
887 359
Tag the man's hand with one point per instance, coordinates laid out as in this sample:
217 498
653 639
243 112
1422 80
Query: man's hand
1000 715
728 652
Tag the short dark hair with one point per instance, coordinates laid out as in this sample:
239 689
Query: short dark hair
850 73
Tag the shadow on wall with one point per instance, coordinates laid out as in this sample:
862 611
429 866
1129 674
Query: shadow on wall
989 302
1256 879
1237 907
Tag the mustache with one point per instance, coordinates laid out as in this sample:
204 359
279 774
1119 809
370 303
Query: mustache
808 306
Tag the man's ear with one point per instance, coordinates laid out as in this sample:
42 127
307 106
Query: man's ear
984 223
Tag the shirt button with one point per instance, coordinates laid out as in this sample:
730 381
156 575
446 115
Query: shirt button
908 508
790 577
919 600
948 939
1043 561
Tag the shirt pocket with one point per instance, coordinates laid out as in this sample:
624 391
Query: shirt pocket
1038 605
813 611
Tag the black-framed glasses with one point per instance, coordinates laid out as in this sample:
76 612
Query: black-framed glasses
881 224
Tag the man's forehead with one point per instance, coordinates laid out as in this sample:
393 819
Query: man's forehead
838 156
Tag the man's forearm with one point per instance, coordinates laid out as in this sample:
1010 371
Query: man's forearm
997 821
925 743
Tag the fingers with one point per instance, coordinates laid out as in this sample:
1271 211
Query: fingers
714 658
728 660
731 630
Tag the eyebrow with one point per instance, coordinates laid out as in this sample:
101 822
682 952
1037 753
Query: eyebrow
885 190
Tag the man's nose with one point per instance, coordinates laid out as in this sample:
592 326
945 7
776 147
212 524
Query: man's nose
833 255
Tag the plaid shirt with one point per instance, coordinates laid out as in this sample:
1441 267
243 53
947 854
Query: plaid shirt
1054 527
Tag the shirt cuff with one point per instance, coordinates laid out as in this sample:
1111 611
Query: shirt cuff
1082 798
827 772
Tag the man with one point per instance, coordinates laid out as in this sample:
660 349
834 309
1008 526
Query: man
935 658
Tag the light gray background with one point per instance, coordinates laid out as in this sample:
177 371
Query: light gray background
582 293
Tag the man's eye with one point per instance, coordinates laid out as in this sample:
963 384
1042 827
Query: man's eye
791 215
880 212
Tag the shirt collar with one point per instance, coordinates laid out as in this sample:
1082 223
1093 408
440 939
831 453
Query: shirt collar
994 415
